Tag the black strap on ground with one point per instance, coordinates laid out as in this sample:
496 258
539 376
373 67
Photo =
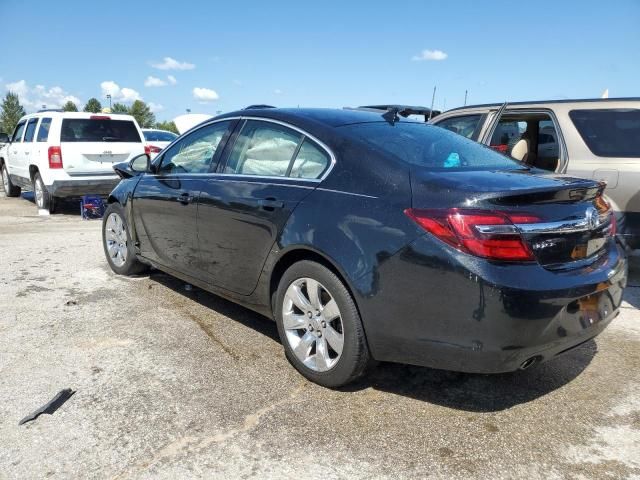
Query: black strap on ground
50 407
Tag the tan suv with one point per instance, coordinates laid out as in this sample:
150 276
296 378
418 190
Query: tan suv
598 139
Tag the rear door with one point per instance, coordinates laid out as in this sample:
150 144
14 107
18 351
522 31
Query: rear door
607 148
268 170
91 146
28 152
165 203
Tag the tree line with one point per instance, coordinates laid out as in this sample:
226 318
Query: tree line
11 111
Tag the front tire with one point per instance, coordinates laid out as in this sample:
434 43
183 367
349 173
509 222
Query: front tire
10 189
44 200
319 326
117 243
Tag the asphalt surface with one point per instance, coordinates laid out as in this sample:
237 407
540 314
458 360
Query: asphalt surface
172 383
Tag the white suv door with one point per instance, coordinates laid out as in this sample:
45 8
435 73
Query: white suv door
27 148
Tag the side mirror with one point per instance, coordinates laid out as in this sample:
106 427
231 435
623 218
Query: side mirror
136 166
4 138
141 163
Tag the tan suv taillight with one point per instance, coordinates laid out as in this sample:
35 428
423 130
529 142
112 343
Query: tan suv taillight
55 157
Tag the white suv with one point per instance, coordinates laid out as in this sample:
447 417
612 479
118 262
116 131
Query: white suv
68 154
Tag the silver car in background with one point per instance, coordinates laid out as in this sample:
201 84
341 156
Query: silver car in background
597 139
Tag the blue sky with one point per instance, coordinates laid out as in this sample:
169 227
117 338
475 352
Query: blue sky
327 54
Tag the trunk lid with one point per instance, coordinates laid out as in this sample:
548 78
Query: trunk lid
572 220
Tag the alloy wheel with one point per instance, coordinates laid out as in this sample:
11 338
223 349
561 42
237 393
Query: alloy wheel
313 324
39 193
116 239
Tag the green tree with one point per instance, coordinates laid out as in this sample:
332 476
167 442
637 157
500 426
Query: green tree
69 107
93 105
11 112
119 108
169 126
143 114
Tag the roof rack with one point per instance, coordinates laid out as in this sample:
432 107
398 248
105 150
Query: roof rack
50 110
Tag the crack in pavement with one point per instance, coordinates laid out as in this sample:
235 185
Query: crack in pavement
190 443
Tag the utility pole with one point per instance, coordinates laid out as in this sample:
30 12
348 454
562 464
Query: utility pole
109 97
465 97
433 99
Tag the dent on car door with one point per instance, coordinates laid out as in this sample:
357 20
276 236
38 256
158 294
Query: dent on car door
165 203
269 169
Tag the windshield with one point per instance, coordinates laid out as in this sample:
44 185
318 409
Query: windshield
98 130
609 132
158 136
431 147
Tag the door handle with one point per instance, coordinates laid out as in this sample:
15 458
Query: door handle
27 153
270 204
185 198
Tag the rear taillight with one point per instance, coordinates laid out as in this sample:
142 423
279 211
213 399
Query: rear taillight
55 157
485 234
148 149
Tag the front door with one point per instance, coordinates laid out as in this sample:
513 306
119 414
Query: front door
269 169
165 203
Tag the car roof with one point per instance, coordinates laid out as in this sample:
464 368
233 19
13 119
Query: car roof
547 102
54 113
330 117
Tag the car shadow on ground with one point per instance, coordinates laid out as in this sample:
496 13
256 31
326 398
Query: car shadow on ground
64 206
460 391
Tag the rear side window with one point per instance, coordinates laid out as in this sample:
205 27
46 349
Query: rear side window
17 134
98 130
31 129
609 132
464 125
430 147
263 149
310 162
43 131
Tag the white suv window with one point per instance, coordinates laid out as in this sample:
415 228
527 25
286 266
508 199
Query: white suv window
17 134
31 130
43 130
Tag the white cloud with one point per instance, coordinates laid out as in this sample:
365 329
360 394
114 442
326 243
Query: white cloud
429 55
277 91
172 80
124 94
155 107
205 95
154 82
169 63
34 98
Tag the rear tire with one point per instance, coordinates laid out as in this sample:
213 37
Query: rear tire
117 243
321 332
44 200
10 189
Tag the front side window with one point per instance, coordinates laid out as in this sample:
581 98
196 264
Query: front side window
17 133
464 125
612 132
263 149
430 147
31 129
101 129
43 130
194 153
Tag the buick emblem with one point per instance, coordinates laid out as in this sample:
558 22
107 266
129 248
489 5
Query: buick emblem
592 218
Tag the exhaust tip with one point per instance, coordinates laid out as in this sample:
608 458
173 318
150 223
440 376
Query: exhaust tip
529 362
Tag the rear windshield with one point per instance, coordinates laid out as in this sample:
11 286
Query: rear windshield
431 147
98 130
609 132
157 136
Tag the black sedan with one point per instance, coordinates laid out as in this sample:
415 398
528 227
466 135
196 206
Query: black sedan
369 237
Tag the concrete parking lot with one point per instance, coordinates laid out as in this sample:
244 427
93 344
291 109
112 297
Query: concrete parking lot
172 383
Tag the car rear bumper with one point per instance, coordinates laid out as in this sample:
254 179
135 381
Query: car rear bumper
76 188
465 314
